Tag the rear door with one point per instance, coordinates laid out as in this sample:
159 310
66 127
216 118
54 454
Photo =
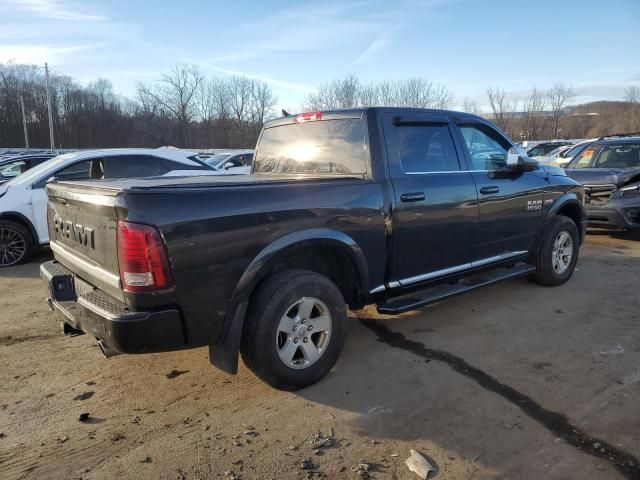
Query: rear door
510 201
436 212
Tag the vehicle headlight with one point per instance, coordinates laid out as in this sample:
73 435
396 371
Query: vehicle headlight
630 190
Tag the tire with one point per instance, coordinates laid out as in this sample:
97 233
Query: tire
268 347
16 244
553 269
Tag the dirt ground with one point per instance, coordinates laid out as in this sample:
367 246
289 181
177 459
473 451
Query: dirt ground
513 381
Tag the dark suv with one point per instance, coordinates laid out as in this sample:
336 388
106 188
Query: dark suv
609 169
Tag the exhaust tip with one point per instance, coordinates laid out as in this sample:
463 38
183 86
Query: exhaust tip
106 350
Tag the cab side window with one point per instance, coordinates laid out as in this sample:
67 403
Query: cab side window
426 148
487 149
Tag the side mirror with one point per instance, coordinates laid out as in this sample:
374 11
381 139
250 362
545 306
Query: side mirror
517 159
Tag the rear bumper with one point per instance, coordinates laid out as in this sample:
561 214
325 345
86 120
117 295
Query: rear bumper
105 318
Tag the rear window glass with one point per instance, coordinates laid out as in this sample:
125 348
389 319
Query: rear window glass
327 146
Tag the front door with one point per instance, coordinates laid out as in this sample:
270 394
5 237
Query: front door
436 205
511 202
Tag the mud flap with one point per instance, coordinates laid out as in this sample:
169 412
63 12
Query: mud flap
224 354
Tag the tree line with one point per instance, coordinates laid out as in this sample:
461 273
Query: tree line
186 109
182 108
550 115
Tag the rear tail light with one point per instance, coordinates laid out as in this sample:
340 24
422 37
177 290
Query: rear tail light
143 262
308 117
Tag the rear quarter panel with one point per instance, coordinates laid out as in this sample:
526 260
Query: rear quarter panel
212 235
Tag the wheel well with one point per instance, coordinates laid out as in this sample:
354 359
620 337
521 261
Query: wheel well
572 211
326 260
20 220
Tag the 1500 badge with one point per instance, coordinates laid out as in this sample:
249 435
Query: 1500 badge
534 205
73 231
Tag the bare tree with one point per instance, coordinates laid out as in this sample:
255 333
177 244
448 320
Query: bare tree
350 92
338 93
632 97
499 107
175 93
471 106
558 96
263 102
534 112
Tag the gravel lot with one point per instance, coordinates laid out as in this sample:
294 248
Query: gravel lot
512 381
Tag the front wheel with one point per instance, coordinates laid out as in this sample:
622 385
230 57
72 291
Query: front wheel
557 257
16 244
295 329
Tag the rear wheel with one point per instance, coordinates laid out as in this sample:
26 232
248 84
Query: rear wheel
295 329
16 243
557 257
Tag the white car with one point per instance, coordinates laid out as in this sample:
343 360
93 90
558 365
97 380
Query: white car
23 200
232 161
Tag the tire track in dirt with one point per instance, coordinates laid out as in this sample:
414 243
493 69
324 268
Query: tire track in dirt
557 423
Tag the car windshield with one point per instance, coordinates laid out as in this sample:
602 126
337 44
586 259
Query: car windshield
217 160
620 156
573 151
557 151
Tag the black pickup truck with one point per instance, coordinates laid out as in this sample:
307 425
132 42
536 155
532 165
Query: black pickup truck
397 207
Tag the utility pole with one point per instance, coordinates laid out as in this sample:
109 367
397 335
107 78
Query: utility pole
46 76
24 124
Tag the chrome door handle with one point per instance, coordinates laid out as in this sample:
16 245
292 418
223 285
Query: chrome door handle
412 197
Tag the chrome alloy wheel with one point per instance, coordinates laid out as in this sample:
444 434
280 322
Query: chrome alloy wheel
303 333
562 252
12 246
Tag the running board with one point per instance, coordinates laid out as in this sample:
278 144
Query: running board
441 292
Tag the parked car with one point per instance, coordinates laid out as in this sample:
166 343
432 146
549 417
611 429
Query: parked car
565 156
392 206
23 199
237 161
609 169
13 165
543 149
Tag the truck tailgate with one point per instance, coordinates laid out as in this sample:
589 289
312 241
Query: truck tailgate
82 231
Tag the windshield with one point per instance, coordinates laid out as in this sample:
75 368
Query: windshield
216 160
326 146
621 156
576 149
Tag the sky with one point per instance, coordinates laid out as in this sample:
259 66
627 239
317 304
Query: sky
465 45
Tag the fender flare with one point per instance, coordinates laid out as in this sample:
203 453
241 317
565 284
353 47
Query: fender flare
25 220
567 198
224 353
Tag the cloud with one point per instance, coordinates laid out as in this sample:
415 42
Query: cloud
297 87
379 44
304 28
39 54
57 10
